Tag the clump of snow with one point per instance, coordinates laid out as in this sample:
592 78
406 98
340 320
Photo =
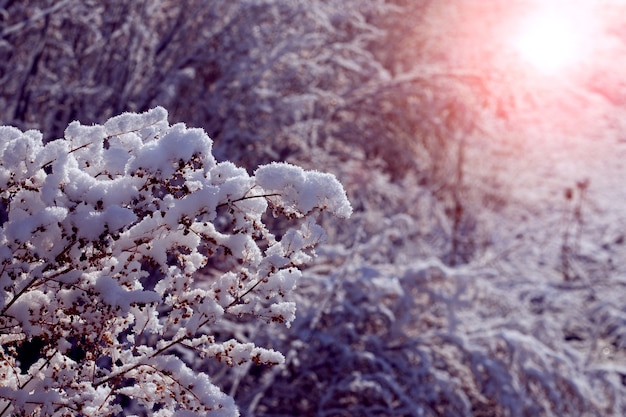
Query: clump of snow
114 295
302 191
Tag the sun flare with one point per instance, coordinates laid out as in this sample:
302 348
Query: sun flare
552 40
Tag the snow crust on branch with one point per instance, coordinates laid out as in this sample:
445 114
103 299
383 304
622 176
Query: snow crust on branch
103 236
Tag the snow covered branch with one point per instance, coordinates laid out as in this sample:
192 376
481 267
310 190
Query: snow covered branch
125 240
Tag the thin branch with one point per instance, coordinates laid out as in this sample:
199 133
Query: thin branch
27 287
40 15
103 139
248 198
153 355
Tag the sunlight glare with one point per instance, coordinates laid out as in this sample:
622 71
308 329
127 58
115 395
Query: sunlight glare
551 41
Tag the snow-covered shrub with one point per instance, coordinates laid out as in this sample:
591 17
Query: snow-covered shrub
278 75
272 72
383 332
103 233
431 341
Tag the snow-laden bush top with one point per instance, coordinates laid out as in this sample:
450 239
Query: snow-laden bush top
102 236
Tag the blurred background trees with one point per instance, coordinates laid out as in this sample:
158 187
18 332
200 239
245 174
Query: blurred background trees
450 146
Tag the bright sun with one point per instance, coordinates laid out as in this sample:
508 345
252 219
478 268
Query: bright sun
552 40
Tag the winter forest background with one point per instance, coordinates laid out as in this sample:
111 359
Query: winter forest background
482 270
